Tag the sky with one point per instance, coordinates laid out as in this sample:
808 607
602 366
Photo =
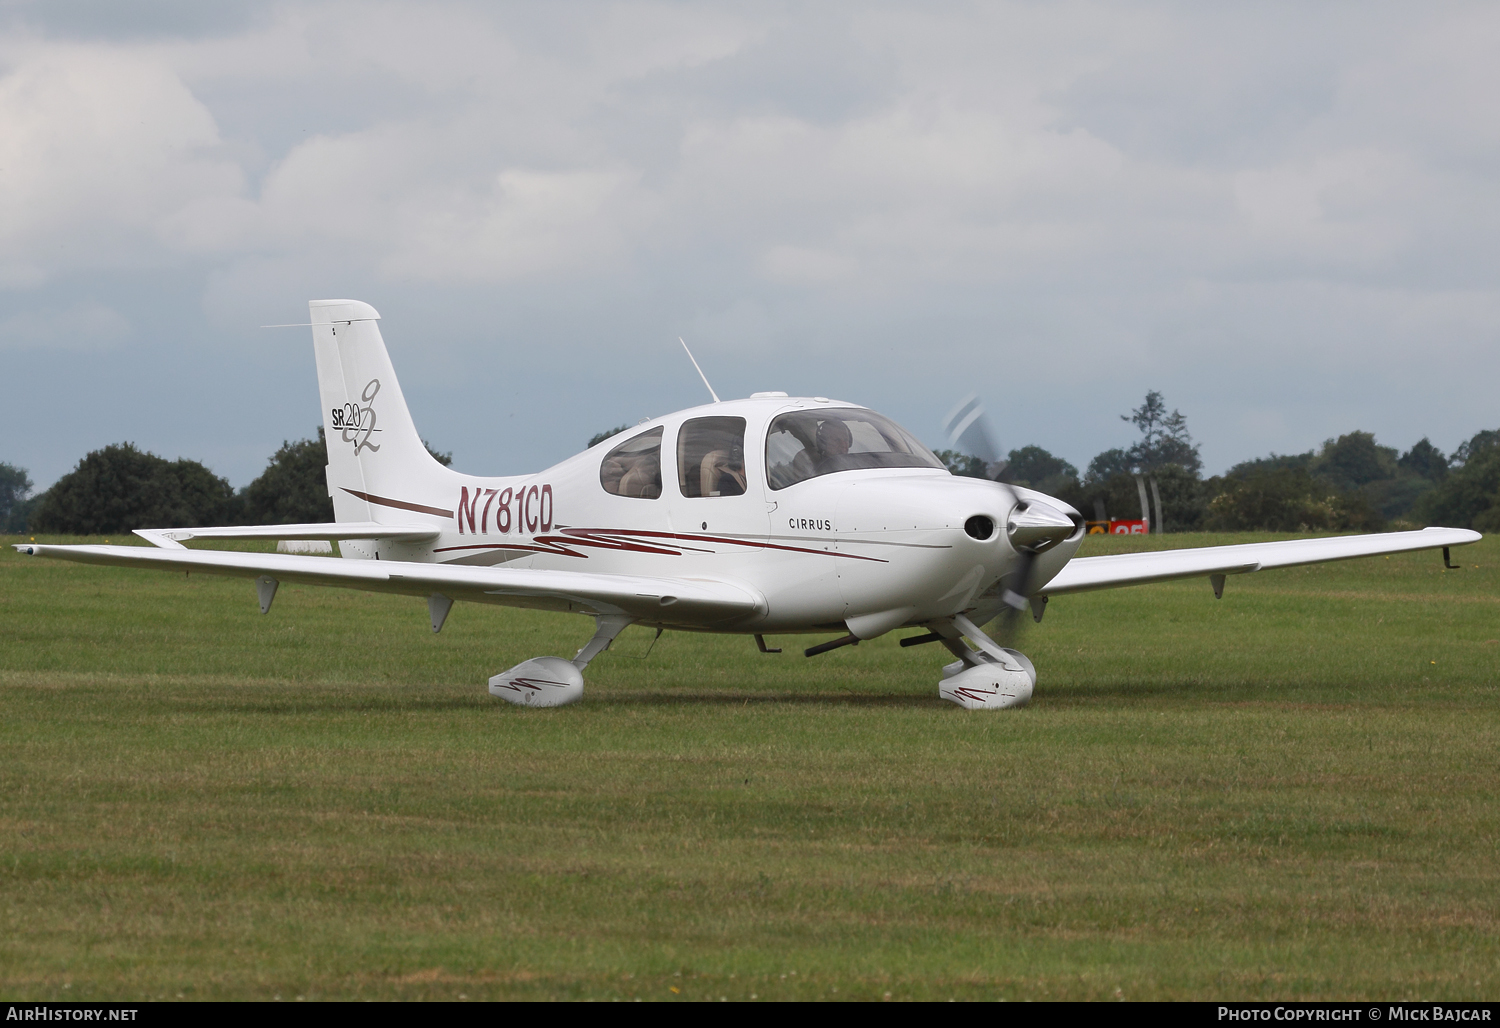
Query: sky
1282 216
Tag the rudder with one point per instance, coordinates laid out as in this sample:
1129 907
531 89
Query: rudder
373 446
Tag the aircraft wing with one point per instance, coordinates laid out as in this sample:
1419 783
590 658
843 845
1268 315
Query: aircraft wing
1084 573
689 601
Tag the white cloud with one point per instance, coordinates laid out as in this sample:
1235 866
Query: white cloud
85 327
1187 189
100 147
528 224
798 265
1344 206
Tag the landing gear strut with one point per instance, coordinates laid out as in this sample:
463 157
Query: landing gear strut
553 681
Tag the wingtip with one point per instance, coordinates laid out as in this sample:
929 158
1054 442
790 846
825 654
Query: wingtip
1467 535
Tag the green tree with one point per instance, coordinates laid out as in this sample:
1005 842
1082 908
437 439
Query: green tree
964 464
1100 499
1164 437
1469 497
1395 499
1035 468
1425 460
293 490
1391 485
1184 498
121 488
1353 460
608 434
1371 485
1284 499
15 487
1275 462
19 520
1486 440
1107 465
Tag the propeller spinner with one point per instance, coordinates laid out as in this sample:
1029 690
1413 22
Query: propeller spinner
1036 526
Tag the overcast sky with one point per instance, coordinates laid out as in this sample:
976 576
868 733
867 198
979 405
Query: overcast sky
1284 217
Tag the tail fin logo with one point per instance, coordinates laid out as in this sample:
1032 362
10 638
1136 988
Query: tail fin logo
357 423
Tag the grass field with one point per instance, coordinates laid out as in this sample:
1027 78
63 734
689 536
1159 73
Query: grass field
1289 793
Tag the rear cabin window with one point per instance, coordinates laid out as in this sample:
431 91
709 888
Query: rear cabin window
711 457
634 467
809 443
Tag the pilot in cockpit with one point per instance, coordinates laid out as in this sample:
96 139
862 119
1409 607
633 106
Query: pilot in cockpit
834 440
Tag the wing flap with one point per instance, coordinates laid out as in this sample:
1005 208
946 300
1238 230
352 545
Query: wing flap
1085 573
689 601
172 538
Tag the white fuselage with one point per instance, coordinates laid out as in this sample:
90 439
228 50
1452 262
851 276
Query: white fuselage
856 543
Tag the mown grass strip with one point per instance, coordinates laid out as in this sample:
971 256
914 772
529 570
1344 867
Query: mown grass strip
1289 792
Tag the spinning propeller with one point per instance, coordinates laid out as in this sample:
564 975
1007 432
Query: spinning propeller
1031 526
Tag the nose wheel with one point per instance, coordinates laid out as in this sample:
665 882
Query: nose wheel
987 676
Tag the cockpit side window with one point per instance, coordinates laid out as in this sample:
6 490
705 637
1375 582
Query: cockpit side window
634 467
809 443
711 457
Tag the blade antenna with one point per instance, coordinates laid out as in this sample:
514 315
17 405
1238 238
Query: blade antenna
699 370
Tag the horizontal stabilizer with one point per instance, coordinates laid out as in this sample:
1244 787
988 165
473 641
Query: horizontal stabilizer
172 538
1085 573
693 601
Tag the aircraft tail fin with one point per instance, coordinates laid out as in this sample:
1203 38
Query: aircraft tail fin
378 468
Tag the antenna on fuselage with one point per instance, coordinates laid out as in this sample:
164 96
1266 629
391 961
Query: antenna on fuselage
700 370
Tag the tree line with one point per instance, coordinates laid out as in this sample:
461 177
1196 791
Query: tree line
120 488
1350 483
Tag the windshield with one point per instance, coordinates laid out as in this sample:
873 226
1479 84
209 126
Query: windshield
808 443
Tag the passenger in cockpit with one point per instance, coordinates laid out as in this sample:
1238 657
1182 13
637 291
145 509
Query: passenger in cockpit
722 473
634 467
610 472
643 479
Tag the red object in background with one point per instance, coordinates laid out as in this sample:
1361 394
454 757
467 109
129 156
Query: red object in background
1140 526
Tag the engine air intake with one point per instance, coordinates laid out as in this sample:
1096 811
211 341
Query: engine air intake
980 527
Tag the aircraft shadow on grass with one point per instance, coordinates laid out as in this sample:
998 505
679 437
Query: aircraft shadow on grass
1076 695
353 703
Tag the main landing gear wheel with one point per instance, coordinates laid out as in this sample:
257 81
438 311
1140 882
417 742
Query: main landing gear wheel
553 681
539 682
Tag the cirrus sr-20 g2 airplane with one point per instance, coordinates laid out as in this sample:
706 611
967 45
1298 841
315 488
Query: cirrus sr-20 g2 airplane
769 515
